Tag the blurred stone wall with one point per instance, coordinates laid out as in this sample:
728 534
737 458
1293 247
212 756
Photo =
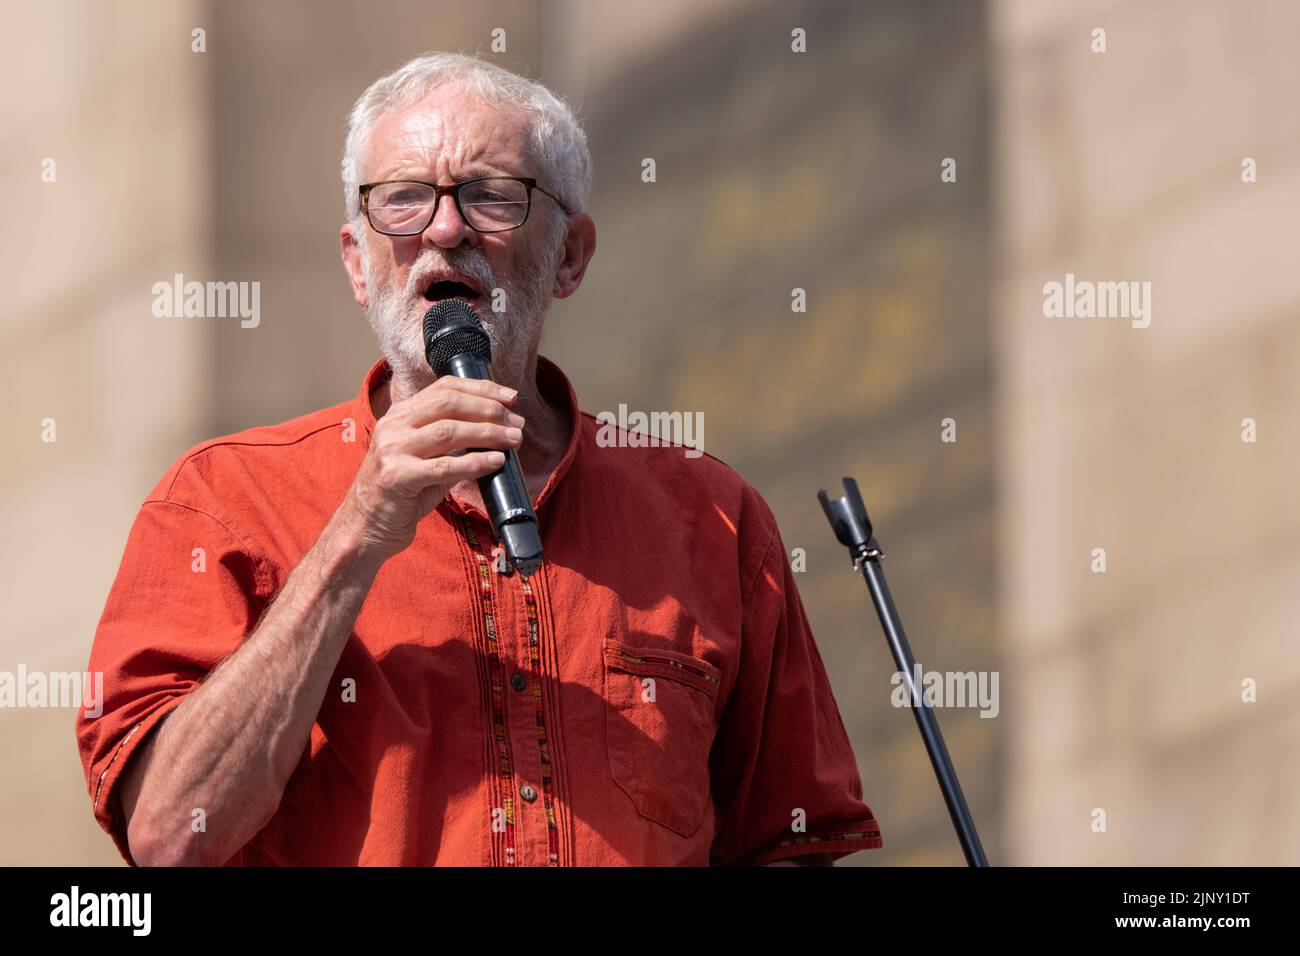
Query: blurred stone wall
1125 687
120 103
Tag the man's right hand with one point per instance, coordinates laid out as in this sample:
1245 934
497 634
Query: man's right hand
410 465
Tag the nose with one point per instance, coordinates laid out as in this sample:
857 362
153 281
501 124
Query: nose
448 229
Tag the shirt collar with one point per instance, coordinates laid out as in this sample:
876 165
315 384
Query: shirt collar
551 382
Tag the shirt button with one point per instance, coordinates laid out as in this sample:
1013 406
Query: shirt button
528 792
519 681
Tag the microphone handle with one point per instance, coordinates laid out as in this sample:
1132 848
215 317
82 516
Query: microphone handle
504 493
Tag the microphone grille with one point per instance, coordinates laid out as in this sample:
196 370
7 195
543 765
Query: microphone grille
452 328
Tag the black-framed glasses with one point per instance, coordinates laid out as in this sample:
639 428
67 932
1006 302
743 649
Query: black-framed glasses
405 207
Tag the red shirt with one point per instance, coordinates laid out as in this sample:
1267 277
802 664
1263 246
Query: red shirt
652 695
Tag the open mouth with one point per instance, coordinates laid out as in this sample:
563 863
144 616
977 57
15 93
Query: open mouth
449 289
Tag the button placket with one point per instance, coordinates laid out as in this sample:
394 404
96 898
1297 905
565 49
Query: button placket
535 837
512 635
494 604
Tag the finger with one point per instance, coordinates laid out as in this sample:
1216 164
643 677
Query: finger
451 403
446 434
477 386
431 396
450 469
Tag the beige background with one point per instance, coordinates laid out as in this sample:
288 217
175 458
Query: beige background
1120 691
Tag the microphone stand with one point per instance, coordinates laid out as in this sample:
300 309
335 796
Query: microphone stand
848 518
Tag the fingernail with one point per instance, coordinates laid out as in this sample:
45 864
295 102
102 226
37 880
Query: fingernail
496 457
516 420
513 434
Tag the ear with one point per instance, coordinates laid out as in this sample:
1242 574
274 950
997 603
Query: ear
579 247
350 249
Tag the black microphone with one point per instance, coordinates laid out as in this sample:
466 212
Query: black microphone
455 343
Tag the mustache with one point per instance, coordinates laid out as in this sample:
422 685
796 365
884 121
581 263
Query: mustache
467 262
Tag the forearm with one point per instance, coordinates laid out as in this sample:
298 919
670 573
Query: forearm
230 747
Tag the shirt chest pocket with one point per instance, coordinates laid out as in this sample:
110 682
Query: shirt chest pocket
659 729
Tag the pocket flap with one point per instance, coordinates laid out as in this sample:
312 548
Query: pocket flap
659 662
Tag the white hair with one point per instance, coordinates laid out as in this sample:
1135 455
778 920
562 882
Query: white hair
557 142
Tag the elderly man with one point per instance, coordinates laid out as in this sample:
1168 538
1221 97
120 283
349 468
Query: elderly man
313 651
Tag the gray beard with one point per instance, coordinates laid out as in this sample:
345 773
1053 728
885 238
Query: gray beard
515 332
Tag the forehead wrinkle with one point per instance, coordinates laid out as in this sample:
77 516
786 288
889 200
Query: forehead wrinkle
432 139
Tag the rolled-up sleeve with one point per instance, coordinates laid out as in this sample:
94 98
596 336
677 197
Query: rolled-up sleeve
186 594
784 776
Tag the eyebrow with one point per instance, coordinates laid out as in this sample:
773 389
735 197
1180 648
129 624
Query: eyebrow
472 172
477 172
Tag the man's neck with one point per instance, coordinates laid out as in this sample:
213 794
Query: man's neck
546 431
